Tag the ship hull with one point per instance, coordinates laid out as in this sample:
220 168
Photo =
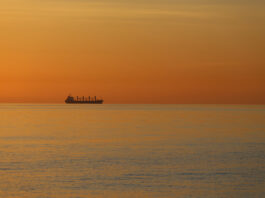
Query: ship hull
84 102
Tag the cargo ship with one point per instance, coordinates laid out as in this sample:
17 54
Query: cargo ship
83 100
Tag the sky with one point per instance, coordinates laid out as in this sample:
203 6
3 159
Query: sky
140 51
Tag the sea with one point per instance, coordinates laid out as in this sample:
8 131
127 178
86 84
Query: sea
141 151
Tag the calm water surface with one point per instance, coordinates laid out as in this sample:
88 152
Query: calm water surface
132 151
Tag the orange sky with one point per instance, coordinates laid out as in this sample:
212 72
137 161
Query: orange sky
148 51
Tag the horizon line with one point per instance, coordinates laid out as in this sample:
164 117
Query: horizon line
60 103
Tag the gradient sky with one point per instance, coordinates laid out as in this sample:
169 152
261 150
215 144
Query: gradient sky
137 51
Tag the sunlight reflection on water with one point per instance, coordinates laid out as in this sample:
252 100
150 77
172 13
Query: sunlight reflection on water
132 150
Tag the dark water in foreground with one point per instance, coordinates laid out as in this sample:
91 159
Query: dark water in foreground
132 151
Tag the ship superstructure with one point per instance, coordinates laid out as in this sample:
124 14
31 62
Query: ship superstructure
83 100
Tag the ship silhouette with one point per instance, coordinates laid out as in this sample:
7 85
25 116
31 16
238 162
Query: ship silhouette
83 100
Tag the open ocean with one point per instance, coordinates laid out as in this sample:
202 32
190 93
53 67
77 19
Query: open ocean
138 151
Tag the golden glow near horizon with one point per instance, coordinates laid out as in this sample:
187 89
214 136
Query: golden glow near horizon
148 51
